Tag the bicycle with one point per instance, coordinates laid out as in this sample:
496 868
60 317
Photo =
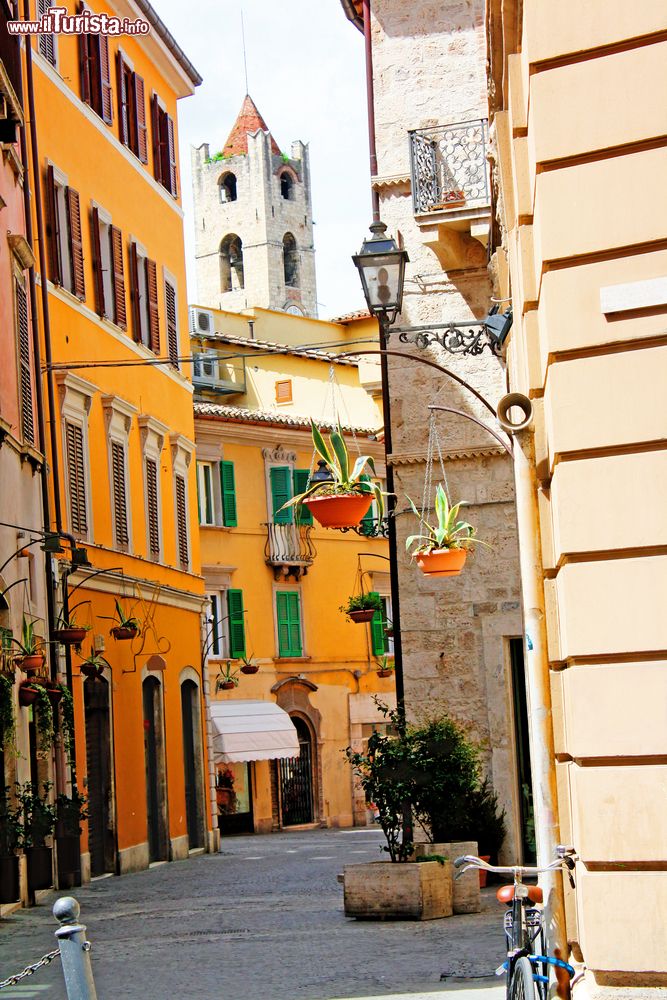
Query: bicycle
527 970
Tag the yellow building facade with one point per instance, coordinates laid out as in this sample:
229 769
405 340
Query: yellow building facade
275 581
123 473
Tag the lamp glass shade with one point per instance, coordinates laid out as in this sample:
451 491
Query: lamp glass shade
381 267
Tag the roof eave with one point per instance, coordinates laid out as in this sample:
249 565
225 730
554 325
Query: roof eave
352 14
169 41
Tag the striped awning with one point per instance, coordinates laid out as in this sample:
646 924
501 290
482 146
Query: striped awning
251 730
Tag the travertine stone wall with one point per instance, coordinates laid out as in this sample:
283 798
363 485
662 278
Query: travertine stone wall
261 217
428 70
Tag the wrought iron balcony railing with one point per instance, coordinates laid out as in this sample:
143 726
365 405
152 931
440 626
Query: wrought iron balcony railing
289 549
449 167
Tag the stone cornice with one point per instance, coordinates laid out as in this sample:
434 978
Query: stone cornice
458 454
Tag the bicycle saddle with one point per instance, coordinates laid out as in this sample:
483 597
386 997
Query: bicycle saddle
506 894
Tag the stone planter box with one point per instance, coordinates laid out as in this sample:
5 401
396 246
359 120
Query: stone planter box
383 890
465 892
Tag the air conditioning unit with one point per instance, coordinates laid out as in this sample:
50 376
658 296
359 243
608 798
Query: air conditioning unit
201 321
205 368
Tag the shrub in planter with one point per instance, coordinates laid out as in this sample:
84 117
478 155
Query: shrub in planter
441 549
69 813
361 607
11 838
39 819
342 501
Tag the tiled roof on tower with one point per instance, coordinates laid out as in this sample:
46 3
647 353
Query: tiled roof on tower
248 122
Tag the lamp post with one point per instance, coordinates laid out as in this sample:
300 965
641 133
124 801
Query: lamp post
381 266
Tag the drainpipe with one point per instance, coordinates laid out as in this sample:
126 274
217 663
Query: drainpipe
545 800
370 100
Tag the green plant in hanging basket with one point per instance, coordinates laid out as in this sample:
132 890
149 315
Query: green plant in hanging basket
441 548
342 501
227 679
362 602
44 722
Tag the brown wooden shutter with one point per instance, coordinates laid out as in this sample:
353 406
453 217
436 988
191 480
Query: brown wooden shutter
152 509
106 93
76 478
76 243
172 323
134 293
85 66
53 229
119 492
171 153
120 309
101 306
153 317
25 373
157 139
140 118
47 43
123 101
182 522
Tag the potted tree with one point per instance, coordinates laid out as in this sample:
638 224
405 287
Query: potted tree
11 838
126 627
441 549
227 679
342 500
69 813
31 659
389 772
39 820
361 607
68 631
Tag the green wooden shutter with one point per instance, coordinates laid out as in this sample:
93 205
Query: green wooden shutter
289 623
228 488
367 525
236 623
378 637
198 496
300 481
281 492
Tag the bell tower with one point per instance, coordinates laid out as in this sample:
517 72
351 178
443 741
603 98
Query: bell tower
254 221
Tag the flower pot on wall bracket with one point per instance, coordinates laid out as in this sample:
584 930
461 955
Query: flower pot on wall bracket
69 636
442 562
33 663
384 673
27 693
125 632
54 693
361 616
91 670
339 511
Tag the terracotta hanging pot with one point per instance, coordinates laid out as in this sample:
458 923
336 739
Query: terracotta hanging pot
442 562
27 693
69 636
340 511
54 694
90 670
384 673
250 668
227 686
362 616
33 663
121 632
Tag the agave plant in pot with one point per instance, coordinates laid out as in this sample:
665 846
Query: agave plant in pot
362 607
227 679
342 500
126 627
68 631
30 645
94 665
248 665
441 549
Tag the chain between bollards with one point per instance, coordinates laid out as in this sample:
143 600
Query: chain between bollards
74 950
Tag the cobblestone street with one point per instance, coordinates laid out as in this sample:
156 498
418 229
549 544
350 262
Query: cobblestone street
262 919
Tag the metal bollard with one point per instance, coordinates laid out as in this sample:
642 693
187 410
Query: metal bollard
74 950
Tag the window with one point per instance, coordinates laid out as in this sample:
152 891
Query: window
119 494
227 624
284 391
152 508
47 43
76 478
95 73
152 435
108 269
75 400
216 494
143 295
182 544
231 263
63 227
205 493
25 365
381 643
300 479
286 186
217 639
227 186
290 261
118 419
228 487
236 622
170 313
132 129
280 481
288 618
164 147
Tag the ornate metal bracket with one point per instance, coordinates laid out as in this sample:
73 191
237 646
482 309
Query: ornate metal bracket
378 529
455 338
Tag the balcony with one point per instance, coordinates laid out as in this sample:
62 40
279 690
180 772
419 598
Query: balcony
289 549
218 376
451 190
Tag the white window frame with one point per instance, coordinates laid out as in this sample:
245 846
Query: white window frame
142 291
182 451
61 183
153 434
222 631
106 254
216 492
76 396
118 416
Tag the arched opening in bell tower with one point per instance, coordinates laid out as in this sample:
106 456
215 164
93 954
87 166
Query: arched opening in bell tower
290 261
231 263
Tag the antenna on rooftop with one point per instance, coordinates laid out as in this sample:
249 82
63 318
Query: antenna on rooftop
245 61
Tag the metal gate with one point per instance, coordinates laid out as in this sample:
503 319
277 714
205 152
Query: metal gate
296 781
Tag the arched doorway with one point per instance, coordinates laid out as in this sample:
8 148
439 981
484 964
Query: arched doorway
156 778
192 765
101 838
295 775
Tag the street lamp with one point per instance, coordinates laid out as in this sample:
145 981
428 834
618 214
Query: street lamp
381 267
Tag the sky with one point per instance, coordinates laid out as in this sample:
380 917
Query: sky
306 75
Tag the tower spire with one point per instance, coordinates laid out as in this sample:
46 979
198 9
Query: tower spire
245 60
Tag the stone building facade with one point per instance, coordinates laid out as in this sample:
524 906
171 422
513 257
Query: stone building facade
462 651
254 221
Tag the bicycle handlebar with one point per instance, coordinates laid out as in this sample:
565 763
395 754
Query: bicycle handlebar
565 857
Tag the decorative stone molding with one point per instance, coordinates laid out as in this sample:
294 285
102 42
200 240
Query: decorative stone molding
153 433
118 415
76 395
279 455
182 450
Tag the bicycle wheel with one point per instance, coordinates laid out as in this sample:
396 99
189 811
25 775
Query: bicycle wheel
522 986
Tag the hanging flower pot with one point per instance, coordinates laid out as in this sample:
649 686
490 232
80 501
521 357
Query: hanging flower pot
227 685
124 632
361 616
27 693
442 562
69 636
32 663
54 693
384 673
339 511
249 668
362 607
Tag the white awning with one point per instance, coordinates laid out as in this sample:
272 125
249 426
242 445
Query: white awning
251 730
